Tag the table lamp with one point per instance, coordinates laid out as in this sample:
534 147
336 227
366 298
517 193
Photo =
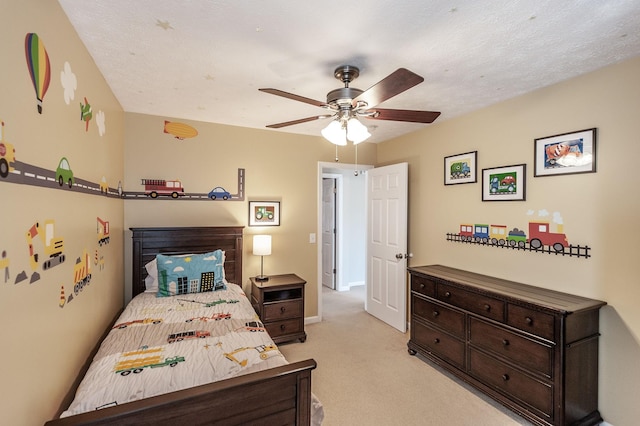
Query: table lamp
262 248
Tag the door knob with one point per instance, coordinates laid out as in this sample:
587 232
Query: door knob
404 256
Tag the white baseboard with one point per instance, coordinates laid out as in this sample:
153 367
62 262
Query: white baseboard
311 320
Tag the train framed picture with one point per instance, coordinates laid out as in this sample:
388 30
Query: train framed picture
567 153
461 168
507 183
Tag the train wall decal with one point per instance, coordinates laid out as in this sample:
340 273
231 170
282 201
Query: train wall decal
538 238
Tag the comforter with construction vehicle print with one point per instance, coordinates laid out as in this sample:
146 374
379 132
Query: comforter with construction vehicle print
165 344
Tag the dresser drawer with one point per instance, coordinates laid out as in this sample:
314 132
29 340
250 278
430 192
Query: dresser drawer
281 328
438 343
443 317
282 310
529 354
512 382
473 302
534 322
423 286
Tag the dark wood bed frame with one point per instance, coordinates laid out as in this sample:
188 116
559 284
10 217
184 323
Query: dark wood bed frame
280 395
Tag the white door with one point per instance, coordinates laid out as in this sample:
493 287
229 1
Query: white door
328 232
386 276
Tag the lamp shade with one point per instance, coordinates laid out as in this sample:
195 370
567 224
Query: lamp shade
335 133
356 131
262 245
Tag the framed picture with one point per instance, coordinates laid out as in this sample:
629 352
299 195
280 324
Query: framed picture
264 213
460 168
564 154
506 183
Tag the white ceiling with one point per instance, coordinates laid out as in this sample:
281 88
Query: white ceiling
204 60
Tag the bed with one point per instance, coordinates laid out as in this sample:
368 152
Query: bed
253 383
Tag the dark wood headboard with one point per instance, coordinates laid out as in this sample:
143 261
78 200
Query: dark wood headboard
148 242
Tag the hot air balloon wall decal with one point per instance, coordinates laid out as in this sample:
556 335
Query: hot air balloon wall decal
38 65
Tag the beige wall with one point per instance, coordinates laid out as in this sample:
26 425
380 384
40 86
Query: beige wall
44 345
600 209
278 167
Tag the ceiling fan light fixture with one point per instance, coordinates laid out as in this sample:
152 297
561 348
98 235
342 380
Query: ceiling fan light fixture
356 131
335 133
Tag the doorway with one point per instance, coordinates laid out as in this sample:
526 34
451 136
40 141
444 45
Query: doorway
348 254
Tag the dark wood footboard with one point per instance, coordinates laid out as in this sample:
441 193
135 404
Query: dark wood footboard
280 395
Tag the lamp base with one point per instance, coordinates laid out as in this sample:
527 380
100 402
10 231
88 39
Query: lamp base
262 278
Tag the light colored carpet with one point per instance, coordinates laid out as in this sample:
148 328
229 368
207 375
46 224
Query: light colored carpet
365 375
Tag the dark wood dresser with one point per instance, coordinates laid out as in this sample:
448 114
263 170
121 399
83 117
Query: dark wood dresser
533 350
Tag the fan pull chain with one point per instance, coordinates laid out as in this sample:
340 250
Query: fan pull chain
337 154
355 173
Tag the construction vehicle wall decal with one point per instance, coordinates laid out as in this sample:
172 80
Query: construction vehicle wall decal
53 248
81 273
7 154
103 231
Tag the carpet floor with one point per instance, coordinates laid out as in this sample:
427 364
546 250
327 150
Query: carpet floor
365 375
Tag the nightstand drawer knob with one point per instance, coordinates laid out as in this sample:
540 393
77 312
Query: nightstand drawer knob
528 320
282 327
282 309
505 377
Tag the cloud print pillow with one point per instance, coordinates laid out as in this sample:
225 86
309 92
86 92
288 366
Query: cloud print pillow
190 274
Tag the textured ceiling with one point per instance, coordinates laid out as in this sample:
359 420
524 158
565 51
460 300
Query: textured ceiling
204 60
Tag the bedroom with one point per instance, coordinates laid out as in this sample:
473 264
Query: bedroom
601 212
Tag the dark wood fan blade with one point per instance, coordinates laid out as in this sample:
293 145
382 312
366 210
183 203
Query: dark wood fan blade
294 97
390 86
404 115
302 120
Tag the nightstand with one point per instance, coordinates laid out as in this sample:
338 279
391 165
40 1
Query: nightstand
279 302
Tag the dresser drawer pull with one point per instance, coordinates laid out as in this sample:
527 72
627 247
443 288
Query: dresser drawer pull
505 377
282 309
422 286
505 342
435 313
436 340
487 307
282 327
447 294
528 320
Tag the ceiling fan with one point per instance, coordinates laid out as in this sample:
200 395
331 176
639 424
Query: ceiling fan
347 102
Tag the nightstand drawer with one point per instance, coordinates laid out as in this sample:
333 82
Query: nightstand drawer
283 310
281 328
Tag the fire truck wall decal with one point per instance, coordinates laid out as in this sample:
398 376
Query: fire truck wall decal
543 234
173 189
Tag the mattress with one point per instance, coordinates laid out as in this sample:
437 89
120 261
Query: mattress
165 344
